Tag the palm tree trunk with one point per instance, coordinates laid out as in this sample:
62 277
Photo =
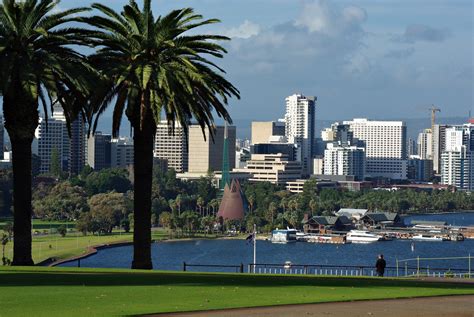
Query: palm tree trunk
143 168
22 210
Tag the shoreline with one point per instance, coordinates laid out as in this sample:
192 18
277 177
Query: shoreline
438 213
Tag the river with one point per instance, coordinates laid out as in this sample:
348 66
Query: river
171 255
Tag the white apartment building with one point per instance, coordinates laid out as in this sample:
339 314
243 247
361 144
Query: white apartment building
457 161
300 127
172 145
273 168
385 146
344 160
51 135
425 144
121 152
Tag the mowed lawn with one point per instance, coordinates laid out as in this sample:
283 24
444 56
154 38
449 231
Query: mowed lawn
106 292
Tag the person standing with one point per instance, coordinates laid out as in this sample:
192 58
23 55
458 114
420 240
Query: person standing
380 265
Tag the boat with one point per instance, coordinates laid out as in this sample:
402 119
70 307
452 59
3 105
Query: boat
301 236
283 236
359 236
426 237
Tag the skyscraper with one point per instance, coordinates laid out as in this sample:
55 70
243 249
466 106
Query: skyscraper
99 151
172 146
121 152
205 154
262 131
53 135
344 160
439 144
385 146
457 161
425 144
299 127
77 147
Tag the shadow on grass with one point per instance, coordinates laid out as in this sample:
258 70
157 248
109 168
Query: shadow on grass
98 278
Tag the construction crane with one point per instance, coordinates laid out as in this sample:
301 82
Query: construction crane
433 115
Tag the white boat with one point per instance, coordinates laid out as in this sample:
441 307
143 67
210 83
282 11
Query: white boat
359 236
426 237
283 235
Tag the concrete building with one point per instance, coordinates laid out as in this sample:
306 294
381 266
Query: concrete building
77 147
439 145
274 168
263 130
344 160
425 144
457 161
274 148
172 145
206 154
300 127
99 151
419 169
412 147
385 147
318 165
121 152
53 136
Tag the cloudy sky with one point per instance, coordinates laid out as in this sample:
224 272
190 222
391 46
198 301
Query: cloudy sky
366 58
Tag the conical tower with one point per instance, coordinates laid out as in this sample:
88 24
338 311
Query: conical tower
232 205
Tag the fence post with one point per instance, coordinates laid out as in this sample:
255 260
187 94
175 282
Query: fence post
406 268
241 268
418 266
184 266
78 262
396 261
469 259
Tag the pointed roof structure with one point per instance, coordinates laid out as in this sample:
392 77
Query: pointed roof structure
232 205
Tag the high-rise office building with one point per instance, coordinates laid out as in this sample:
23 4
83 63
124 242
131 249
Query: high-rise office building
439 144
52 135
77 147
412 147
121 152
344 160
99 151
206 153
385 146
172 145
300 127
425 144
457 161
262 131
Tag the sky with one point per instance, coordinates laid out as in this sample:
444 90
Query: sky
363 58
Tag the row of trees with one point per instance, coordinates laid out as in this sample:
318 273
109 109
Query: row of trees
149 66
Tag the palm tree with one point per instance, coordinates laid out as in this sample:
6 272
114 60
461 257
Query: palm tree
37 62
156 67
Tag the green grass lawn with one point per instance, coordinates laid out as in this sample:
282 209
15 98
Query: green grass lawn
74 243
106 292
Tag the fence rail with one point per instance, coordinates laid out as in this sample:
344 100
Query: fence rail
402 269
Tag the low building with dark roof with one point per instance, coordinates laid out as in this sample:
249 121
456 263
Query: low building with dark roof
318 223
383 219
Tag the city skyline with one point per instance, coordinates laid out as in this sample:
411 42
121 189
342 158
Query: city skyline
385 60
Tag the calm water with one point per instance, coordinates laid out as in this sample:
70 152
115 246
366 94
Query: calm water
171 255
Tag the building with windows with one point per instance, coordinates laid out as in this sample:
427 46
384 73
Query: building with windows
274 168
172 145
344 160
457 161
77 147
300 127
425 144
385 146
439 145
206 153
99 151
52 136
121 152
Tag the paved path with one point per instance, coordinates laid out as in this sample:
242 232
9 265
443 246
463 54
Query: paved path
445 306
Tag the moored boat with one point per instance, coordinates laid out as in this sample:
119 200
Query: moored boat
359 236
426 237
283 236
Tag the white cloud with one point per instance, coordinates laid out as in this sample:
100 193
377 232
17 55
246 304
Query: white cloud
244 31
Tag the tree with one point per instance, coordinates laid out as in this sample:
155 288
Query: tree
37 59
106 180
55 168
165 220
107 211
62 230
154 67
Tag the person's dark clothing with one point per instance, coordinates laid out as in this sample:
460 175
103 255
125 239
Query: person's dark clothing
380 266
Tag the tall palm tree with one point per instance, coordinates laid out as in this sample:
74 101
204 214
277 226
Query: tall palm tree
37 62
156 67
